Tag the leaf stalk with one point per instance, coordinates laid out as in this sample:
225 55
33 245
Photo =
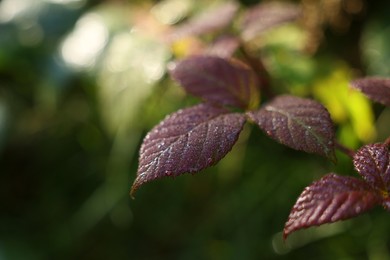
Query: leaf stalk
344 149
258 67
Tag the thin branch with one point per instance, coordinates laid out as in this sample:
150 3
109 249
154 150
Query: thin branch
344 149
387 142
258 67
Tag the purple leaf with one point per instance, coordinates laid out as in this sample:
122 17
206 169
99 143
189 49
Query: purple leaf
265 16
207 22
377 89
299 123
217 80
224 46
330 199
187 142
373 164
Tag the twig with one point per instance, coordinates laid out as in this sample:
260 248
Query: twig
261 73
387 142
345 149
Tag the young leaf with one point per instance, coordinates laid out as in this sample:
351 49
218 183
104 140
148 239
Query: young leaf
187 142
372 162
266 16
330 199
299 123
377 89
217 80
207 22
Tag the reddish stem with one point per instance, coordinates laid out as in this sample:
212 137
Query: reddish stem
258 67
345 149
387 142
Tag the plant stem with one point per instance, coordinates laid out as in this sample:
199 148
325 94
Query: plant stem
345 149
387 142
258 67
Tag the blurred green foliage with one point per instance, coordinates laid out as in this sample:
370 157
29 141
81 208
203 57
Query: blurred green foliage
81 82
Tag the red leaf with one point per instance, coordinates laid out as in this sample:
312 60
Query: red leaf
377 89
207 22
331 199
373 164
265 16
187 142
299 123
217 80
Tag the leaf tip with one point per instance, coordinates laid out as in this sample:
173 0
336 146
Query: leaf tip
133 189
131 194
354 84
171 66
136 184
285 235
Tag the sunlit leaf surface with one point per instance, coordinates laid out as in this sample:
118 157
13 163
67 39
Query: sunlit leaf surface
299 123
331 199
372 162
187 142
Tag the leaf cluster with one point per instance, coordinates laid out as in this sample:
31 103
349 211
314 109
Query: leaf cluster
197 137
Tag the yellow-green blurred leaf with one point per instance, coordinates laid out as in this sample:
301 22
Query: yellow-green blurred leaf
344 105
